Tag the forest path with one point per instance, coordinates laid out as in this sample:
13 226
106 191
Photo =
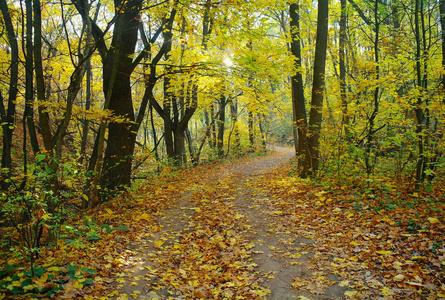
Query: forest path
226 239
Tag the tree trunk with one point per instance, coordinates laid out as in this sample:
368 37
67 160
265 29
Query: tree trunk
121 138
251 133
180 151
298 102
263 135
213 126
221 121
28 114
371 130
8 115
342 65
442 34
40 81
418 109
316 114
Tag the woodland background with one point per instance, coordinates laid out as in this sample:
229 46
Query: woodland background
95 95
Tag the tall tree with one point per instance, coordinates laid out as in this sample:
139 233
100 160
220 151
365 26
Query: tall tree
318 85
342 67
8 114
375 110
118 66
298 101
442 33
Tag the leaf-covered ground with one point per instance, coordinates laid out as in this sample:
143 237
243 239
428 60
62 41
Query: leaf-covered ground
248 229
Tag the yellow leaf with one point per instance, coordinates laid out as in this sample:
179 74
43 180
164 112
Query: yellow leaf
440 294
113 293
350 215
53 269
414 283
294 263
109 211
144 216
122 297
238 216
353 258
321 193
198 209
2 296
262 292
43 279
399 277
77 285
158 243
134 283
29 287
120 280
350 294
385 291
433 220
303 298
384 252
344 283
397 265
183 273
150 269
16 284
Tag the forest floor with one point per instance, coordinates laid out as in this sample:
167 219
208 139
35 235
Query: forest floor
249 229
224 239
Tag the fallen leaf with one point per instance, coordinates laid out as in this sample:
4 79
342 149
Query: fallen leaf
399 277
385 291
433 220
158 243
350 293
344 283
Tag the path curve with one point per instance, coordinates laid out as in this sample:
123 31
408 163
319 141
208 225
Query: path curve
278 254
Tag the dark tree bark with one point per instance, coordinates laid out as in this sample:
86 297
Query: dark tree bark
442 33
251 130
168 99
8 114
316 114
221 120
375 110
88 80
28 115
118 67
420 116
40 80
213 126
342 67
121 139
298 101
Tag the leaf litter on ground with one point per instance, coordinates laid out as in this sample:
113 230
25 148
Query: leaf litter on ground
376 246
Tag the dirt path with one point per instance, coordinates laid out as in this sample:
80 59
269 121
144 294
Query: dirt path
177 260
278 252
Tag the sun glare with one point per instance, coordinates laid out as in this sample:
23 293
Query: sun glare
228 62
